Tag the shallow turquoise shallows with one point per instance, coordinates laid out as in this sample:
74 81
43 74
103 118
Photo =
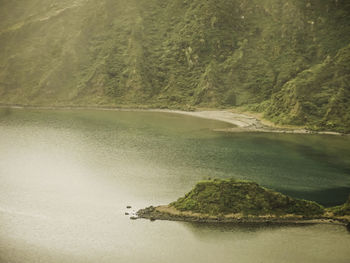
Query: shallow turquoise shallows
66 178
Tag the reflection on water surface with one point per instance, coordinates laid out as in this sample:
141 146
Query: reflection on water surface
67 176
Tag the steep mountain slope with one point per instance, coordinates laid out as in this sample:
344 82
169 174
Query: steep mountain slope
289 59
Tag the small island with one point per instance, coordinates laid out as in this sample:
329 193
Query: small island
236 201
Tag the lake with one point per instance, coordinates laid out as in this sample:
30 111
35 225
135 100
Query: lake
66 177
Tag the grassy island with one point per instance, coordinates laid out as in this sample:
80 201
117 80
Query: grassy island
238 201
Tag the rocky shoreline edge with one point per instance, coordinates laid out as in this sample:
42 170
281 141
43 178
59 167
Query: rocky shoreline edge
169 213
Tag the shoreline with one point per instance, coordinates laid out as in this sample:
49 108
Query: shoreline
244 122
169 213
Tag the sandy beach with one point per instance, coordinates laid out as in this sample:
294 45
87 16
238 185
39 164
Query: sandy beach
243 122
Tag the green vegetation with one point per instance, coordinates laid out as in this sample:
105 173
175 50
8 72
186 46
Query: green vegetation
287 59
342 210
216 197
329 83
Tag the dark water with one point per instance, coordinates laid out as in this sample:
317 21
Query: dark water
67 176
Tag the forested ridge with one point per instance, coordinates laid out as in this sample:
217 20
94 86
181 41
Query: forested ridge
287 59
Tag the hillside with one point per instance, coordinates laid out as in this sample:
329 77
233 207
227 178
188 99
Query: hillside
287 59
342 210
217 197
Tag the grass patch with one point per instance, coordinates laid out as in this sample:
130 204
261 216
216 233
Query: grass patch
220 197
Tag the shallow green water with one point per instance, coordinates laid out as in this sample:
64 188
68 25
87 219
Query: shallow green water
66 177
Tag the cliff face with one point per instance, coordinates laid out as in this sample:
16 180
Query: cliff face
289 59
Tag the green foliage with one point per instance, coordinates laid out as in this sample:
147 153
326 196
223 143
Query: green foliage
217 197
328 108
287 59
342 210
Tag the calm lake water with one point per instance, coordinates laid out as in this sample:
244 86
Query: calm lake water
66 178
